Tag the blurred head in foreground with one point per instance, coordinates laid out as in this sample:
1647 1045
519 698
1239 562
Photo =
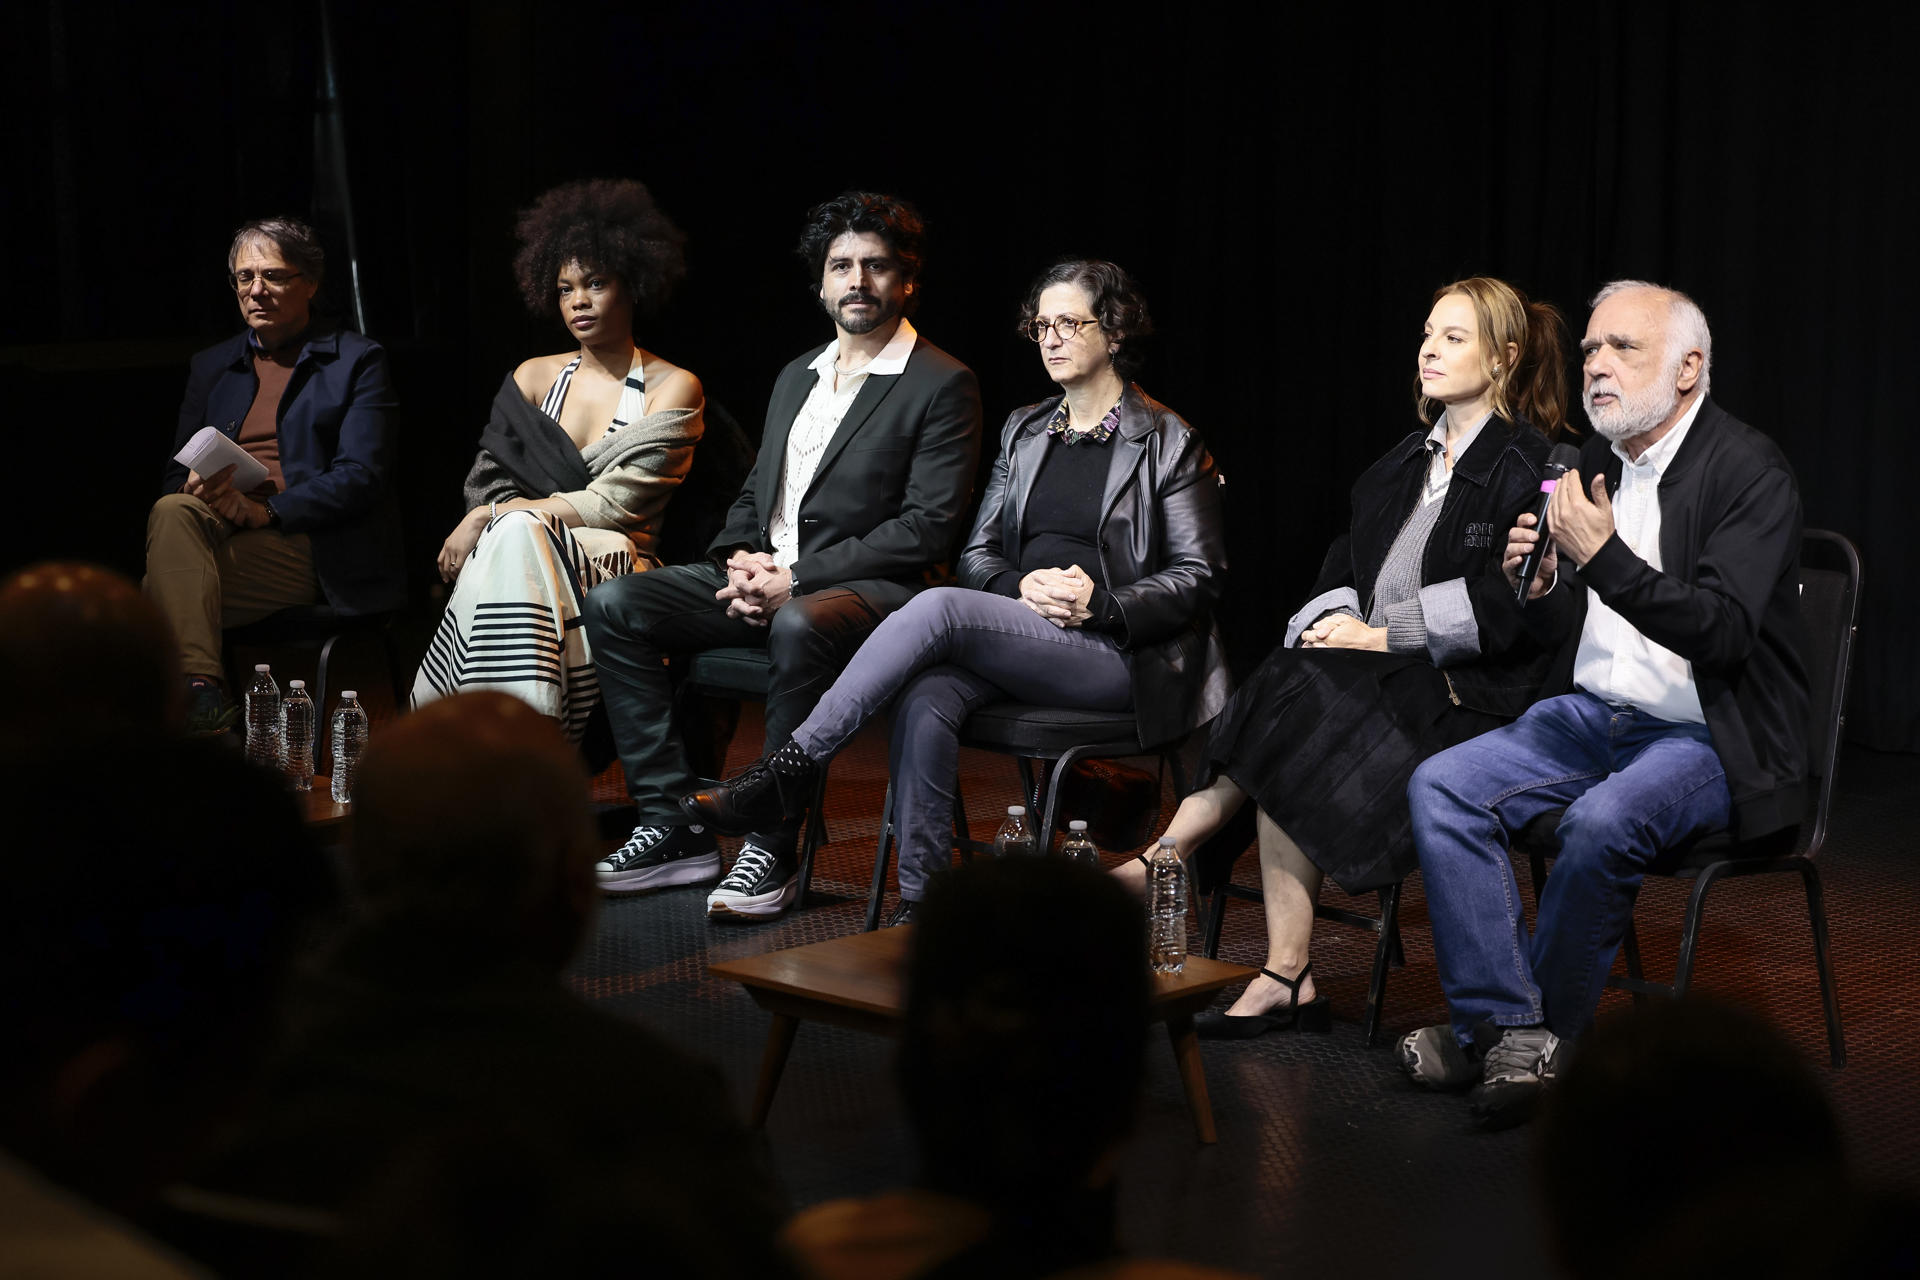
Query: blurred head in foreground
1021 1060
84 657
471 824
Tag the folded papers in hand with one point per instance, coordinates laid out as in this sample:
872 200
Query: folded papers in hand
209 450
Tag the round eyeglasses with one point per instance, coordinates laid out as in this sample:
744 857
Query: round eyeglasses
276 278
1065 326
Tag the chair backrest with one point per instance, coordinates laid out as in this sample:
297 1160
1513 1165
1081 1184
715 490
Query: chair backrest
1830 606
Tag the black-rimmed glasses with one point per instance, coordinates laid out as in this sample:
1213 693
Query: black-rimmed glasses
1065 326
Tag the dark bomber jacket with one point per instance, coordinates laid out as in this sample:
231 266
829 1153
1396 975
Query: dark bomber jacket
1496 666
1728 602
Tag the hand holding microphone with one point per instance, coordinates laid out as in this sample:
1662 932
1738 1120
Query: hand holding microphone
1563 458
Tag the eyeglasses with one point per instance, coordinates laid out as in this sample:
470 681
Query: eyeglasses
1065 326
277 278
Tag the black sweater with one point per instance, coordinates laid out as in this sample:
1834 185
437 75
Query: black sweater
1728 602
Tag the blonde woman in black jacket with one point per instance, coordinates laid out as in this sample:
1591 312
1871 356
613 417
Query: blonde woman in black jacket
1089 581
1400 653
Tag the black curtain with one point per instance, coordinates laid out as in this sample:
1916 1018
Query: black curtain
1289 186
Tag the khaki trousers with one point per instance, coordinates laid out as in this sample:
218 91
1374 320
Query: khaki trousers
205 573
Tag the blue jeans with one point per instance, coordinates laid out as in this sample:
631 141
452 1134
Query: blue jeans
1631 785
947 652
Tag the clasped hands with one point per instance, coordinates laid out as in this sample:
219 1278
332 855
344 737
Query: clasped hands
756 587
1343 631
217 491
1578 525
1061 596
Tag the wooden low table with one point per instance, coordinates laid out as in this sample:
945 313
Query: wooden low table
859 981
317 807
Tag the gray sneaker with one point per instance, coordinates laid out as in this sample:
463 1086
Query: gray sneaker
1517 1071
1432 1056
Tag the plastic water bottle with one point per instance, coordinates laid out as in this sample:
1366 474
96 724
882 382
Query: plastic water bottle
266 735
297 711
1015 837
349 740
1167 910
1079 846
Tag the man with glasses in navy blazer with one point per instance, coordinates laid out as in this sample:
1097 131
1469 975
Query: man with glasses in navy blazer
315 406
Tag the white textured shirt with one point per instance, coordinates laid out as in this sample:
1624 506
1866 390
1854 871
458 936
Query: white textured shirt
1615 662
1439 474
819 417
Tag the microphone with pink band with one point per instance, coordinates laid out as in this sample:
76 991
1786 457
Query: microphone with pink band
1562 460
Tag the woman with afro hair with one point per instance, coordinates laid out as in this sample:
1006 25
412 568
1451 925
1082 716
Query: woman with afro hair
580 455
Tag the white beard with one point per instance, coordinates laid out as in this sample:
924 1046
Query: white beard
1632 415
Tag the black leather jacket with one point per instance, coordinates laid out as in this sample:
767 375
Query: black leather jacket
1162 539
1493 482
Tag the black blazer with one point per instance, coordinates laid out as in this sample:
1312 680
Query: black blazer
1163 553
886 503
1493 482
1727 600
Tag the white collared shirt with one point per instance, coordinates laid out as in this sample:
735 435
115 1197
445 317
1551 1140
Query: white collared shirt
1439 474
1615 662
813 427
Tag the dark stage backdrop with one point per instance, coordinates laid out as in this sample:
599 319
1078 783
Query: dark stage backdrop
1289 187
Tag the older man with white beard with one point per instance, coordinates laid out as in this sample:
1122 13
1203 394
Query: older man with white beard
1669 590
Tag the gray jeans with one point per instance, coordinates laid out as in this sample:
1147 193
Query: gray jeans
948 651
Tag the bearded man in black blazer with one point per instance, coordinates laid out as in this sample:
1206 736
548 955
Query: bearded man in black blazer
862 483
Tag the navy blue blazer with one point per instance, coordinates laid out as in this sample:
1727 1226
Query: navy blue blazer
338 421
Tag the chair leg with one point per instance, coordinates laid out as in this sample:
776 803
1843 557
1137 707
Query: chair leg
1390 932
1690 928
320 671
1630 944
812 836
1216 919
1382 958
323 736
881 856
1823 960
1029 787
1050 814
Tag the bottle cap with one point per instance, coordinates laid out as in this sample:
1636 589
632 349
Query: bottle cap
1078 824
1016 811
1168 842
348 695
296 684
261 666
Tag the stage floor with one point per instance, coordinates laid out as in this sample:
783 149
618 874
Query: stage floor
1327 1156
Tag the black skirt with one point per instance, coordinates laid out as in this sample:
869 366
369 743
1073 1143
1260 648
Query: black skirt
1324 741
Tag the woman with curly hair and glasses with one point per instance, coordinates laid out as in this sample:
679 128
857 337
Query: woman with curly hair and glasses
577 462
1409 645
1089 581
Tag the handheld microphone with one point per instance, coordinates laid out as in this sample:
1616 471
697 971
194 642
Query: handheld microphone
1562 460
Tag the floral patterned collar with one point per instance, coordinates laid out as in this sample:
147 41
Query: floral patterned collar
1058 425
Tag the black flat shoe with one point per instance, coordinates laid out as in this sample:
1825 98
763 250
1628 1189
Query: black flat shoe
1315 1016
